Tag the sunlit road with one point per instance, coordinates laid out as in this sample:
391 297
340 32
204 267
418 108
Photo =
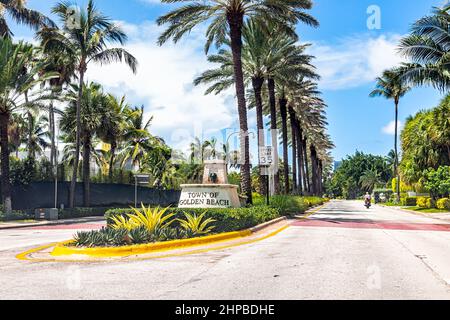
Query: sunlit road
344 251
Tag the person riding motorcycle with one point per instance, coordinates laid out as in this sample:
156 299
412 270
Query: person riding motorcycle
367 200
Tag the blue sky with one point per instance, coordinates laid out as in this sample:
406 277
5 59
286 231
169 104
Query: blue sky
349 57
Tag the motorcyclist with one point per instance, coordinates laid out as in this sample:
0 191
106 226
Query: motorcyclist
367 199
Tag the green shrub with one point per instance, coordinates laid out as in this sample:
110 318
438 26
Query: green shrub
422 202
81 212
15 215
409 201
431 203
443 204
227 219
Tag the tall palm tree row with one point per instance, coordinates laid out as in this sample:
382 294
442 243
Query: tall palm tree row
226 20
264 54
259 56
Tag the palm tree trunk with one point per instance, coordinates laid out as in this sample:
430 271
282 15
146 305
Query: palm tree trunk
257 86
283 113
4 144
305 155
294 149
111 162
31 153
396 151
86 168
235 21
313 170
73 182
300 165
274 134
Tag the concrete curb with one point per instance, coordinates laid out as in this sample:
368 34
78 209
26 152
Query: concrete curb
52 223
62 250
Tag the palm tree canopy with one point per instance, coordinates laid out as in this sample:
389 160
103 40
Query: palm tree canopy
390 86
428 49
284 13
18 11
18 76
90 41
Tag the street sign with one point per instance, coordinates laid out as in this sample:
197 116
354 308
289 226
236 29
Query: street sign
266 156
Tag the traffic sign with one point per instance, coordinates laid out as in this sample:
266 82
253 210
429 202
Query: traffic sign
266 156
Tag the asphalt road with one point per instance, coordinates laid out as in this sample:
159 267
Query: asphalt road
343 252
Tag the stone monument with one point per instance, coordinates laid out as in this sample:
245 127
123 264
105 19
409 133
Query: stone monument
214 192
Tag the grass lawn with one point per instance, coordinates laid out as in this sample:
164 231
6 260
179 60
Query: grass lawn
425 210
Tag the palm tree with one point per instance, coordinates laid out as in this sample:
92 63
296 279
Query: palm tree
370 179
64 65
137 138
14 82
391 86
112 127
86 43
93 107
428 47
38 135
17 10
227 18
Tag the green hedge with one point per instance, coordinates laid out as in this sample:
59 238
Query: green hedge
82 212
227 219
409 201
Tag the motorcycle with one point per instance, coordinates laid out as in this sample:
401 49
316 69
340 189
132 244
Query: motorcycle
367 203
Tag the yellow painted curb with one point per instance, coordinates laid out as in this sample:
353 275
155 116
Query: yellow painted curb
62 250
25 255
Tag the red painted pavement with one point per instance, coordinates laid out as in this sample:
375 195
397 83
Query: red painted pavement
389 225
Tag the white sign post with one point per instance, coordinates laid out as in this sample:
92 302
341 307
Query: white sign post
266 160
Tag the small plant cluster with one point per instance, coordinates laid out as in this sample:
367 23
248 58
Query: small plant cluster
288 204
430 203
145 226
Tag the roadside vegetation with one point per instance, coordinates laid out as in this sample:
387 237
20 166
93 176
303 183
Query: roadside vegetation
44 89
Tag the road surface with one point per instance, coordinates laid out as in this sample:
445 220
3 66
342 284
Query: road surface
344 251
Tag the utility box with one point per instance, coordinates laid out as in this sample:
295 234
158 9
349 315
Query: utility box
46 214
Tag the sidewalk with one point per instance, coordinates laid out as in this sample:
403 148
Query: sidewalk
19 224
438 216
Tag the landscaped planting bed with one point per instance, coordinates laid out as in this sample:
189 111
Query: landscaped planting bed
147 225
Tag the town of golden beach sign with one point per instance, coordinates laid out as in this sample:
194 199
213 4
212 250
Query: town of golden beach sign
214 192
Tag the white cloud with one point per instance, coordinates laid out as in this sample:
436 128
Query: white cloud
355 61
164 86
390 128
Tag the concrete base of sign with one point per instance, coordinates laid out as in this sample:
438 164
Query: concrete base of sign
209 196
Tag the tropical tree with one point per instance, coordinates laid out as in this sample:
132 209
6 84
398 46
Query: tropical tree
426 142
17 10
93 107
14 82
37 140
227 18
370 179
112 128
136 137
391 86
428 48
86 41
64 65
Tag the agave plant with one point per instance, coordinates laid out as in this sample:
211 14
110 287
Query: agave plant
152 219
194 225
120 222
